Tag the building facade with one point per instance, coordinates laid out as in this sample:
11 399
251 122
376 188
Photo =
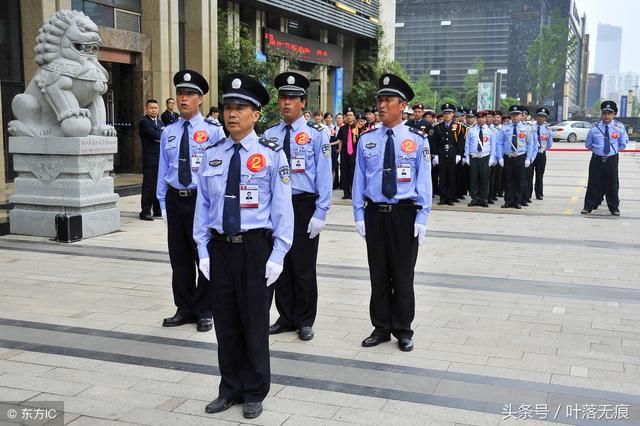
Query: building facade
446 40
608 48
615 85
594 88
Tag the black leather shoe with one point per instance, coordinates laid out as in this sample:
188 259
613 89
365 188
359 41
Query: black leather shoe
491 201
157 214
146 217
517 206
473 203
405 345
484 205
305 333
506 206
204 324
616 212
524 204
252 410
539 198
442 203
177 320
585 211
450 203
279 328
219 404
374 340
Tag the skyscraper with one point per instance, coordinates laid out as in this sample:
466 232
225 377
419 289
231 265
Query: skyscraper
608 46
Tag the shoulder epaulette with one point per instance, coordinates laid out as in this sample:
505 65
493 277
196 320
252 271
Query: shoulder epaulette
271 143
216 144
314 125
210 121
273 125
417 132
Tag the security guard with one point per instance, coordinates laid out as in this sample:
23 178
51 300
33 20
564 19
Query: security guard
182 146
605 140
514 152
347 139
244 228
391 202
480 152
370 118
418 121
445 137
308 151
495 174
528 173
543 141
462 168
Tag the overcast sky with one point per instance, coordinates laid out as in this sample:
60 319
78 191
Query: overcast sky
621 13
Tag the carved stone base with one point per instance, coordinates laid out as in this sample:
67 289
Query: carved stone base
63 174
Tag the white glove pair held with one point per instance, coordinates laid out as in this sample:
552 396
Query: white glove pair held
419 231
272 270
436 160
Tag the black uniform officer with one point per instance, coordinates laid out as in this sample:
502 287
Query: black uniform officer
445 137
182 147
348 136
243 227
150 128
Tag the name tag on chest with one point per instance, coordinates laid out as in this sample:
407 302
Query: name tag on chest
403 173
249 196
196 159
297 164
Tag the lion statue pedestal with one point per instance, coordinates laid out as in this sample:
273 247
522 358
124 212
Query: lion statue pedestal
62 147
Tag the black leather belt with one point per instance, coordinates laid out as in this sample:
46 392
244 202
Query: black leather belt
184 192
250 235
604 159
304 196
388 208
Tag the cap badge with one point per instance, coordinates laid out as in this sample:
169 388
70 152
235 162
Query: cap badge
291 79
236 83
385 81
187 77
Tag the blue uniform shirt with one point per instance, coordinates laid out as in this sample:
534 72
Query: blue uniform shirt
618 138
525 143
262 169
202 133
311 142
488 146
412 150
544 142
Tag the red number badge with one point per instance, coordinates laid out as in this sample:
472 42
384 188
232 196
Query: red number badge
485 138
521 135
408 146
302 138
256 162
200 136
614 135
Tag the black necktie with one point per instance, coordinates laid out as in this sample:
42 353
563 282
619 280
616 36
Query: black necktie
539 140
184 168
514 138
231 209
287 143
389 186
480 140
607 142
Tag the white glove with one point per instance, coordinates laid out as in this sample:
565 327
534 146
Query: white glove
360 228
458 159
465 161
501 162
420 231
527 163
164 215
435 161
204 267
315 227
492 162
272 272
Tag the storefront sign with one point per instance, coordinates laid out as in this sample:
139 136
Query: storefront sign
339 90
285 45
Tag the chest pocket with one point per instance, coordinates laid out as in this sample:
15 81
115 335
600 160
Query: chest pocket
171 145
306 150
215 181
371 160
261 178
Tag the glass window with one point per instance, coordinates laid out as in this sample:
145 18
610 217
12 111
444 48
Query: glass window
10 46
100 14
133 5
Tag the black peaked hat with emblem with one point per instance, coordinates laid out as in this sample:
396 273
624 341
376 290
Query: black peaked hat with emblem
392 85
447 107
543 111
370 109
349 109
192 81
243 89
515 109
471 112
609 106
360 116
418 106
291 84
524 110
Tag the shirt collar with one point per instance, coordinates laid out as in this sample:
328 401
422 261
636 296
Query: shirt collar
247 142
396 129
295 126
193 121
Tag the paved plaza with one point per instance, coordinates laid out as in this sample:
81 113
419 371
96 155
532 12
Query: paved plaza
526 315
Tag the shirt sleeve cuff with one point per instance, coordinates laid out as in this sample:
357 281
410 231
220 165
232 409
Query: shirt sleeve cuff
163 204
203 253
320 214
277 256
359 215
421 218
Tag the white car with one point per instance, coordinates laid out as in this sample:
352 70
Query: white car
570 131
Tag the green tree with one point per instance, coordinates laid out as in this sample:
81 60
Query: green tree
507 102
548 56
424 92
470 98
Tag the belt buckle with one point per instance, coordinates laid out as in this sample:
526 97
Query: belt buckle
446 146
183 192
385 208
235 239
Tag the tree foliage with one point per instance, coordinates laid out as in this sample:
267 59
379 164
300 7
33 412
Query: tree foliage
470 99
548 56
507 102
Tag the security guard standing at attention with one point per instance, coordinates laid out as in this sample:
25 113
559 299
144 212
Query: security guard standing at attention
244 229
543 141
391 202
528 172
307 149
445 141
182 146
605 140
514 152
480 152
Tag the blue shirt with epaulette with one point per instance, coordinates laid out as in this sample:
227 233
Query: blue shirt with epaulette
618 138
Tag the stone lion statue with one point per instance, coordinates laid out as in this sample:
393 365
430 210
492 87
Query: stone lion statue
64 98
